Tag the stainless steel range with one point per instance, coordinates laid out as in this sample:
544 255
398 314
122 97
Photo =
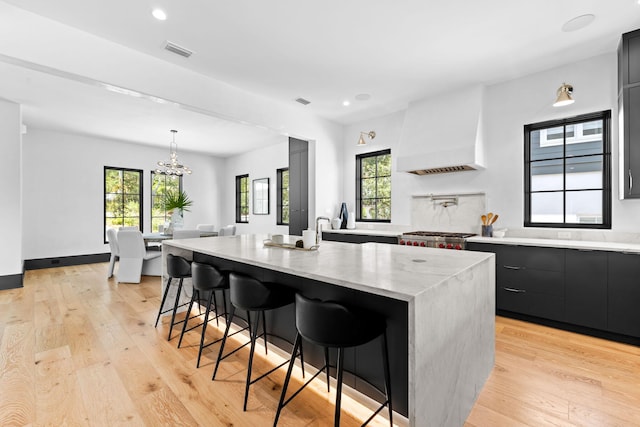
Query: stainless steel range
435 239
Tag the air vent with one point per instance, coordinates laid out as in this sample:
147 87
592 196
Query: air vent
447 169
178 50
303 101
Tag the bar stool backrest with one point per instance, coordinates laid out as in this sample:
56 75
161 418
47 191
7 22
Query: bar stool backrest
206 277
178 267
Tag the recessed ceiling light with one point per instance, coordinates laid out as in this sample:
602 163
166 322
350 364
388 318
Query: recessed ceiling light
346 103
578 23
363 97
159 14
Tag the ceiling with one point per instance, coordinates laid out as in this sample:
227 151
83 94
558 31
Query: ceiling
326 52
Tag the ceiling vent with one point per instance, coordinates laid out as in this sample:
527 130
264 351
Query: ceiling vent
178 50
303 101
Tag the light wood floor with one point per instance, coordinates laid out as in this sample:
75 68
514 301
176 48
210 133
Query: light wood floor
78 349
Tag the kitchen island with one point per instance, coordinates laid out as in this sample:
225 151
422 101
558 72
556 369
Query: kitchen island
439 306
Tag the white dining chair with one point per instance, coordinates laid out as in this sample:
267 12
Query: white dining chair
229 230
113 246
205 227
186 234
134 258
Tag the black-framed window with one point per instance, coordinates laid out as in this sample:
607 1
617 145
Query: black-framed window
282 196
242 198
373 186
122 198
161 184
567 178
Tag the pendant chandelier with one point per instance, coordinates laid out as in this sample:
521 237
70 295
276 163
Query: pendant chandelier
173 166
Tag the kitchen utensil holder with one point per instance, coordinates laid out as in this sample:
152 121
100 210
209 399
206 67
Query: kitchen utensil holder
487 231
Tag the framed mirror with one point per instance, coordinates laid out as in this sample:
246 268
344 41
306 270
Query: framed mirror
261 196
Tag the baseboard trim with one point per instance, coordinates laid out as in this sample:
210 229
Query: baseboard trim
36 264
11 281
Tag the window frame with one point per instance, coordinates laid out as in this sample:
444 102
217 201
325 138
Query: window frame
140 172
280 204
359 158
153 173
239 195
605 116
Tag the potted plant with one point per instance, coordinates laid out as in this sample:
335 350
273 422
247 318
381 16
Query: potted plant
175 203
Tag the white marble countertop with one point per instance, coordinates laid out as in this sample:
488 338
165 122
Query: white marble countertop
559 243
395 271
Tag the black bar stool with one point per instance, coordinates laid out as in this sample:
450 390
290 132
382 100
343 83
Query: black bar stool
177 268
330 324
205 278
254 296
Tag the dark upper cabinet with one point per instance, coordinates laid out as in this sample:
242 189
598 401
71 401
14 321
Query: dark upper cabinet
629 104
298 186
586 288
623 300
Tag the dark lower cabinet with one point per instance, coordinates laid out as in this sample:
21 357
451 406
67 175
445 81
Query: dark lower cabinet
623 302
593 291
586 288
358 238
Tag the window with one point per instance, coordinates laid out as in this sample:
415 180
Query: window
161 184
242 198
282 193
568 172
122 198
373 186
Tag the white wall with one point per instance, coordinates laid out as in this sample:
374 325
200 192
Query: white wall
63 190
258 164
10 187
507 108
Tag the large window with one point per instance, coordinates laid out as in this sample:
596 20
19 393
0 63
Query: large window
568 172
122 198
242 198
162 184
282 190
373 186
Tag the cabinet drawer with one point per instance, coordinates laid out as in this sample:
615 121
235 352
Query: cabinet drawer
540 281
529 257
530 303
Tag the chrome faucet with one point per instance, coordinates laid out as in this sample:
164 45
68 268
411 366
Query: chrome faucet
318 219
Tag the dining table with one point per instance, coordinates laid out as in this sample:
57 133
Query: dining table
158 237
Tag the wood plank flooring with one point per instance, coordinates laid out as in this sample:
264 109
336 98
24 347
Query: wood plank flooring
79 349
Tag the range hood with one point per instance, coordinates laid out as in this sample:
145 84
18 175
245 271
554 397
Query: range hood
443 134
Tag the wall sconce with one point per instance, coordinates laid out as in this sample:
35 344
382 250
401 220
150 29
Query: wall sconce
564 95
370 134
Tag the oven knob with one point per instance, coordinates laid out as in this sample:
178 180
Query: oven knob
441 245
458 247
449 246
408 242
423 244
401 242
415 243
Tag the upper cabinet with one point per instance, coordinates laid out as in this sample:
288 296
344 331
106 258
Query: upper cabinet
629 104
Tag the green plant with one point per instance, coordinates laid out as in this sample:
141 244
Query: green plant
177 200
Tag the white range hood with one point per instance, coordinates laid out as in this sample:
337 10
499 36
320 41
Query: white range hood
443 134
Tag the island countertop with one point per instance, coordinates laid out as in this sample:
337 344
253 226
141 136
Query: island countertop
439 306
393 271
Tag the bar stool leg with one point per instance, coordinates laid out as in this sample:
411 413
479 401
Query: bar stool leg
224 340
339 387
264 329
175 308
254 337
164 298
204 326
186 320
281 404
326 364
215 305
